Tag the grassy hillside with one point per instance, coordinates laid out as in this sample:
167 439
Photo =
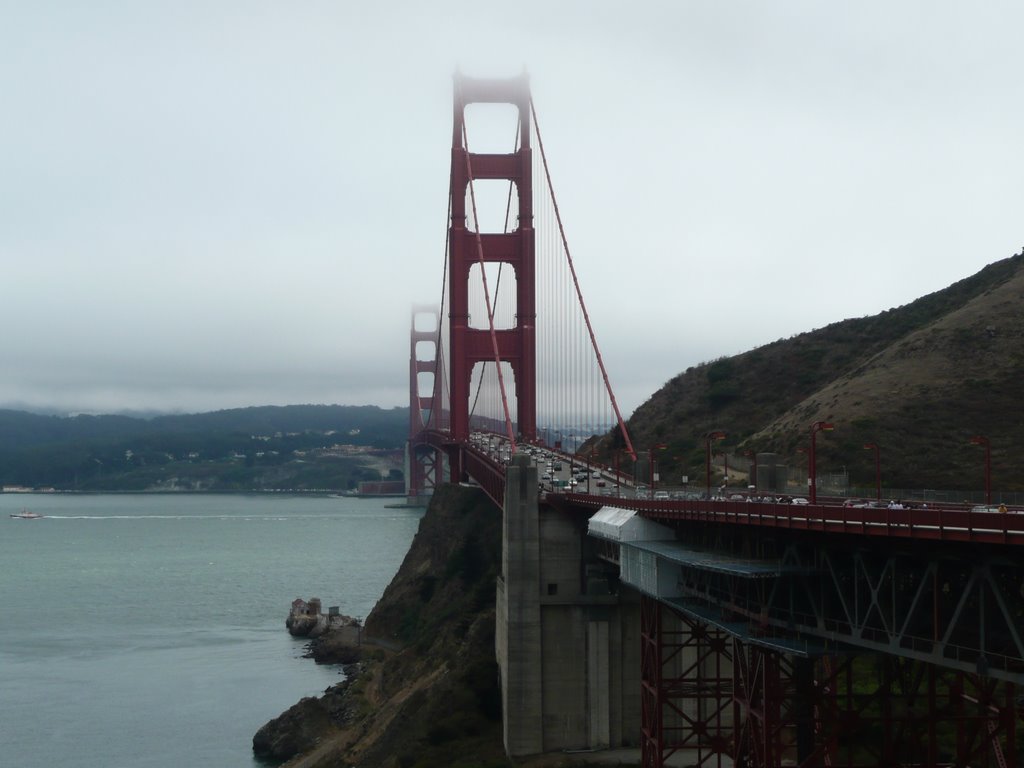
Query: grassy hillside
919 380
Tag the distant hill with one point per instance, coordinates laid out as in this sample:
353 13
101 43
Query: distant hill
235 449
918 380
376 426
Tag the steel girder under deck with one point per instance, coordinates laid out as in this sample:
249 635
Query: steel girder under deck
686 687
958 608
722 699
912 657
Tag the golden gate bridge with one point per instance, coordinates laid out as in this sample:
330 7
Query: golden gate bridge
769 634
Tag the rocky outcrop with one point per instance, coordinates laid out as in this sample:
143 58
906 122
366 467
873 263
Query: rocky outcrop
297 730
340 645
306 620
426 690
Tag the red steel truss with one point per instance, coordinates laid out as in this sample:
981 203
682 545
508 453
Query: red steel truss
726 700
686 688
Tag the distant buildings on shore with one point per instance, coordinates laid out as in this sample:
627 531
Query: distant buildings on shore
381 488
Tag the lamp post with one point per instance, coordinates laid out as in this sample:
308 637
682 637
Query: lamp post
982 440
650 461
709 438
878 468
752 474
620 473
816 427
618 477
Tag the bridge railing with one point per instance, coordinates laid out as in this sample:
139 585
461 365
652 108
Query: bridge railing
486 472
931 524
469 460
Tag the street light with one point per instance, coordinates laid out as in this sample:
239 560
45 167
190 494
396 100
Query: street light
816 427
982 440
878 468
753 470
709 438
618 475
650 460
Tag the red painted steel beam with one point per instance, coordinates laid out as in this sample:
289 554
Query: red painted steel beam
497 248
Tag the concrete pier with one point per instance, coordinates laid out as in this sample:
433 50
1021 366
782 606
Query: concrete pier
518 631
567 639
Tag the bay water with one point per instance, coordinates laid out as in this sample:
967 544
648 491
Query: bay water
148 630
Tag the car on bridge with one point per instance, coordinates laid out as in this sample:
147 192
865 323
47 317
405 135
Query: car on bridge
992 508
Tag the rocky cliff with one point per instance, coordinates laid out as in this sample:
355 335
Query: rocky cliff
422 685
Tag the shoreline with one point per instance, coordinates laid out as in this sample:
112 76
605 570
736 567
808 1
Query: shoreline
187 492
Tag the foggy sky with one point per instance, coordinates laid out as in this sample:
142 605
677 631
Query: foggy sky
219 204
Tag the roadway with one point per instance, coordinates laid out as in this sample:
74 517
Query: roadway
560 472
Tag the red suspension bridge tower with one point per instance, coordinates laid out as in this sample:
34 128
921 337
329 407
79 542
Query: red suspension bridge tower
424 462
494 342
515 346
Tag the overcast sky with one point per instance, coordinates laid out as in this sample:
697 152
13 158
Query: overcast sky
219 203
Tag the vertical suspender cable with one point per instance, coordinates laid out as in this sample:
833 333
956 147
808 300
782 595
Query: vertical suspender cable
440 379
579 293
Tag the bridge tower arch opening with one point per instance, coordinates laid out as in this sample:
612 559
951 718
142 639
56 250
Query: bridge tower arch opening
485 411
501 284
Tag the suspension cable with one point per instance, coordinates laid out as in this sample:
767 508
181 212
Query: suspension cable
440 380
576 283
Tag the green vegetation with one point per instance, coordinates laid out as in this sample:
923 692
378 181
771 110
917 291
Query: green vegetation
440 694
918 380
269 448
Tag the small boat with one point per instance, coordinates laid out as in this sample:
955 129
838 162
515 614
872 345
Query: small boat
27 515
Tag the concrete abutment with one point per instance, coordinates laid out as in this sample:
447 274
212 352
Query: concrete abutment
567 640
